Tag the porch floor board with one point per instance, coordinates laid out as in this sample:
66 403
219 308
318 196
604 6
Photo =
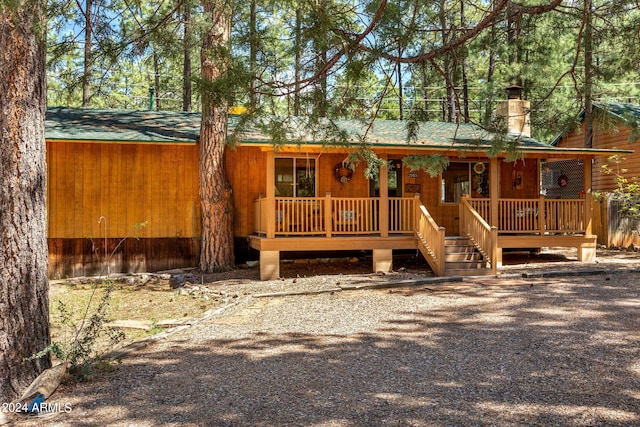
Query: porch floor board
360 242
333 243
554 240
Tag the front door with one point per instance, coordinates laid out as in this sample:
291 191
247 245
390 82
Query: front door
395 180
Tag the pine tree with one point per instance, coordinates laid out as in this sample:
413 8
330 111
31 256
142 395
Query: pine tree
24 301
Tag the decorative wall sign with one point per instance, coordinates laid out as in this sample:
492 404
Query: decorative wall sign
413 174
412 188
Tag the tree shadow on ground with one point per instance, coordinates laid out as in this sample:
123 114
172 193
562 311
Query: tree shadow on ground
542 353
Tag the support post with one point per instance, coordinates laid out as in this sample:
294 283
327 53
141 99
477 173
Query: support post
541 215
498 257
328 214
271 195
416 212
587 252
495 252
494 189
382 260
384 199
269 265
588 202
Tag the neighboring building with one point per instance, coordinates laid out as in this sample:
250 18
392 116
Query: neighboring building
615 127
128 167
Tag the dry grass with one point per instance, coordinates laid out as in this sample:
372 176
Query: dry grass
140 305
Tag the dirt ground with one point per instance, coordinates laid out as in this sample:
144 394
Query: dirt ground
487 351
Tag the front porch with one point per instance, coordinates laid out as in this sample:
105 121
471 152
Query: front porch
384 224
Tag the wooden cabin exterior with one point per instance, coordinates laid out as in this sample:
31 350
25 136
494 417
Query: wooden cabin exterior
612 130
110 171
494 203
123 191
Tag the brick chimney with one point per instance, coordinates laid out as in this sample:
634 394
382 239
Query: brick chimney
515 111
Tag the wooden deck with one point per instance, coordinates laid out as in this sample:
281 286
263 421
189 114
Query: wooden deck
335 224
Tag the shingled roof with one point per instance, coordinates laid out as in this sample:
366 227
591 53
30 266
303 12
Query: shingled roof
107 125
160 127
114 125
621 111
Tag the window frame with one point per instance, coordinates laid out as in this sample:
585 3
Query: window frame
470 175
294 169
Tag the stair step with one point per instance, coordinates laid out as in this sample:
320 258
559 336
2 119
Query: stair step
466 265
459 249
463 256
467 272
457 241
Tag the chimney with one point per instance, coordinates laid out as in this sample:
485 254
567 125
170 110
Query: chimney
515 112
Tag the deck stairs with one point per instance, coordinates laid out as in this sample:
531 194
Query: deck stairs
462 258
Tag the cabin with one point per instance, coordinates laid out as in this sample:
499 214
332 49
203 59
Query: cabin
123 191
123 194
615 127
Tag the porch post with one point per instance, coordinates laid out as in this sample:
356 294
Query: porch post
417 201
328 214
588 197
494 194
587 251
541 214
271 195
384 198
494 188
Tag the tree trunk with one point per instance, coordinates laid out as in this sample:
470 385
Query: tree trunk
88 43
253 55
156 79
298 65
448 59
400 87
216 253
186 66
588 74
489 108
463 65
426 92
24 300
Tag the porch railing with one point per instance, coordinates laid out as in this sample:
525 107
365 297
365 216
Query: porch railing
535 216
431 237
329 216
484 236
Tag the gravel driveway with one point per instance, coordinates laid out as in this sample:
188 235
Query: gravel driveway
485 351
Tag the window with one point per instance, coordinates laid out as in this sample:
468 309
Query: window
394 181
464 178
295 177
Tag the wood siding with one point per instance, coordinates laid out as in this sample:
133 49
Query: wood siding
605 137
86 257
127 184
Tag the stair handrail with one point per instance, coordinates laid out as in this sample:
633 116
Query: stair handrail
431 235
484 236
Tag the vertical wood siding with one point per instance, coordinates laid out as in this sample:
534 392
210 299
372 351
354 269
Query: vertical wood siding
617 138
127 184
